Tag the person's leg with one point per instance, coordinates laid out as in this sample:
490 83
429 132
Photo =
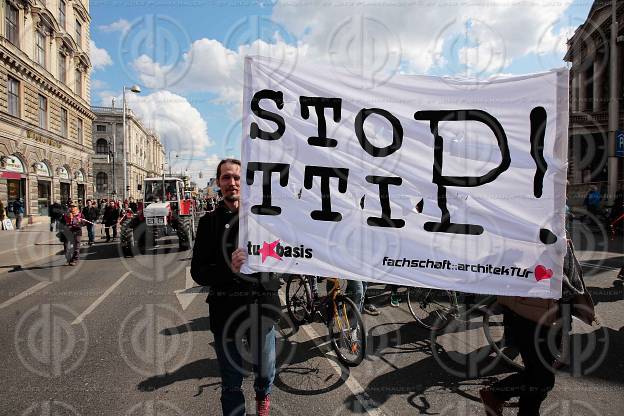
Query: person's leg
107 231
76 254
229 359
91 232
51 224
394 296
539 374
115 231
265 369
355 291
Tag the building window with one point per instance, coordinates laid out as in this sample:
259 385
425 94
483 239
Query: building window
101 182
14 97
61 68
101 147
63 122
11 24
43 112
79 129
40 48
78 76
100 128
62 7
79 33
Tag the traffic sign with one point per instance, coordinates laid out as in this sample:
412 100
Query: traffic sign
619 143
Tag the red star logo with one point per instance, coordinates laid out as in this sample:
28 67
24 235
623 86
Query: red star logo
268 250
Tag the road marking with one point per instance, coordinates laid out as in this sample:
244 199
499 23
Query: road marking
99 300
189 293
597 266
371 407
24 294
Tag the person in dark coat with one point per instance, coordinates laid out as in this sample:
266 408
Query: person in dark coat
216 263
55 212
110 218
90 213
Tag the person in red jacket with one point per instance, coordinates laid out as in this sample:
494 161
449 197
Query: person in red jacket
73 232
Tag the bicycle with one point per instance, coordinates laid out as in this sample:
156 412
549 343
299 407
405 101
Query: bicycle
434 309
342 317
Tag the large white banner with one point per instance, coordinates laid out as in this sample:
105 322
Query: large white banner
421 181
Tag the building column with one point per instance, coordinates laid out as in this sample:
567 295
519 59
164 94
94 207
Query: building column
574 104
599 77
582 97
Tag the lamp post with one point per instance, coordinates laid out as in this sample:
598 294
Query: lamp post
135 89
614 110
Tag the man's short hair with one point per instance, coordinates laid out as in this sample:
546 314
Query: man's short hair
224 161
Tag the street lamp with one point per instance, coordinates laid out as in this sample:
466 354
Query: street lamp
135 89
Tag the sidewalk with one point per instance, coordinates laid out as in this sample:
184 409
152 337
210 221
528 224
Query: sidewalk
19 248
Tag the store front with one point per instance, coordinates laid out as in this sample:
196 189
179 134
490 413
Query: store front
15 175
44 188
65 185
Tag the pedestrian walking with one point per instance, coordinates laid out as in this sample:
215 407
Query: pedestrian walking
56 213
534 326
90 213
73 221
18 210
110 218
2 215
216 263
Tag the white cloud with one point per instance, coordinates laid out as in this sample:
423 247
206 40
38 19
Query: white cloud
181 128
484 36
209 66
121 25
99 56
97 84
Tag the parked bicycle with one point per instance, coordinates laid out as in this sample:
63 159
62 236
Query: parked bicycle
434 309
337 311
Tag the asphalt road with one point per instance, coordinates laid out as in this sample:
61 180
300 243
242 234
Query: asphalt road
111 337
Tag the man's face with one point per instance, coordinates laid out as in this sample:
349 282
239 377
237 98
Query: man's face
229 181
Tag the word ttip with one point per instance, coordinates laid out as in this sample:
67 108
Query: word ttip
277 250
537 120
541 273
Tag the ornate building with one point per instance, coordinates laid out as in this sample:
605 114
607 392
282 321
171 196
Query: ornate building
142 147
590 147
45 116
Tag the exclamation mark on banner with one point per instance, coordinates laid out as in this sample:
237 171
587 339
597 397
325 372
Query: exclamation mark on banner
538 132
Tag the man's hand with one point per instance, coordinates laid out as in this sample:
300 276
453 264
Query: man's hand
238 258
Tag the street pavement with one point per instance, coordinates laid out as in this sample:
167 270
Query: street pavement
122 336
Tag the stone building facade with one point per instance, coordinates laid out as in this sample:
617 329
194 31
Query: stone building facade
142 147
590 92
45 116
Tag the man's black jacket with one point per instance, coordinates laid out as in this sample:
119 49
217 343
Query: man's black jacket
230 294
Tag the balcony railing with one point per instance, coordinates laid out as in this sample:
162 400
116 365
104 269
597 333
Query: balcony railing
112 111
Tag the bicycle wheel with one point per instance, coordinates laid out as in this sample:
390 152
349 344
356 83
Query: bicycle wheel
299 299
346 331
431 308
495 334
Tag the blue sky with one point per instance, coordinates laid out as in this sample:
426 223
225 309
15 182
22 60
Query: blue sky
186 55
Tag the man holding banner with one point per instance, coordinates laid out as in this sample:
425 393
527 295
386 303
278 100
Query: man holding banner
216 263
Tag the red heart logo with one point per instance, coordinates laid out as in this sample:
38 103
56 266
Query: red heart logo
542 273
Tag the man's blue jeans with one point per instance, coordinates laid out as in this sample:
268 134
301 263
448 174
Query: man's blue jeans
91 232
232 373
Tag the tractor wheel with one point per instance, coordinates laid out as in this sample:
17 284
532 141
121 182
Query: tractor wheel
185 232
126 239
